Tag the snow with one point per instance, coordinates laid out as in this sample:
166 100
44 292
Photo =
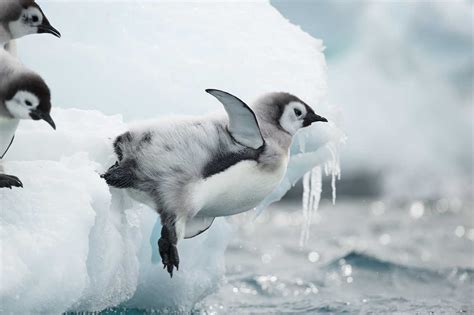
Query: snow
68 241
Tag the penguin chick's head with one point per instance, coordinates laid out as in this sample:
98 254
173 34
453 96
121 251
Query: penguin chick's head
287 111
28 97
31 20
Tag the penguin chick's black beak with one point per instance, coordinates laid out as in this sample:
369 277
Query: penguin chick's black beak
48 28
37 114
312 117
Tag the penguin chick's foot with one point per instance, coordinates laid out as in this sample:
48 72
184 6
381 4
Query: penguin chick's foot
169 255
9 181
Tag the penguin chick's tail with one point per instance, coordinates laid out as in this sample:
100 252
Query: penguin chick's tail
120 175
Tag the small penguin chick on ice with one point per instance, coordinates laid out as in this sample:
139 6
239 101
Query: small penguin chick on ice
22 17
191 171
23 95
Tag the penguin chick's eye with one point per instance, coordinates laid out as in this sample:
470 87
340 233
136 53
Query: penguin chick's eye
35 18
297 112
28 103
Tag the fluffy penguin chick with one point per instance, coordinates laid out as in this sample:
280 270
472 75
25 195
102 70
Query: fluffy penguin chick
23 95
192 171
22 17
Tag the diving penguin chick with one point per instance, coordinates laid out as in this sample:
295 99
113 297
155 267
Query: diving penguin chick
23 95
22 17
192 171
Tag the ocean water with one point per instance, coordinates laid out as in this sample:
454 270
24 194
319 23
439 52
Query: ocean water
361 257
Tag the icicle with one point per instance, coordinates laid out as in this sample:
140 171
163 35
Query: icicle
312 184
306 197
312 188
333 167
333 187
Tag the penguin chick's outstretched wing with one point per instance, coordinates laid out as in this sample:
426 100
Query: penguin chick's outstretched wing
243 125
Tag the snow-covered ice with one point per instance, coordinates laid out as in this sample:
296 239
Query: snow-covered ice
68 241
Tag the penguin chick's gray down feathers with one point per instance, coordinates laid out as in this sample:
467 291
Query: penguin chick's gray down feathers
193 170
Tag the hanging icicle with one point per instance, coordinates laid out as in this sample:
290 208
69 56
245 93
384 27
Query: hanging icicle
312 188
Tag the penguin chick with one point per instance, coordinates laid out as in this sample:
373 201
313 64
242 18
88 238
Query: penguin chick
22 17
23 95
191 171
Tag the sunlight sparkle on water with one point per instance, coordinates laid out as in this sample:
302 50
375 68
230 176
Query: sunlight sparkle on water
346 270
470 234
385 239
313 257
417 209
460 231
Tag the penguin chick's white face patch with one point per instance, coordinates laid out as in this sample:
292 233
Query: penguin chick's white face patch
28 22
292 117
21 105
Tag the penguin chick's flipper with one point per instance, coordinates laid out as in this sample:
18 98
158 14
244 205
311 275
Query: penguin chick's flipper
243 125
9 181
197 225
167 244
120 175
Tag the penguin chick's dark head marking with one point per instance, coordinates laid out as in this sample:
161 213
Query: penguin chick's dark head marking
27 18
287 111
28 97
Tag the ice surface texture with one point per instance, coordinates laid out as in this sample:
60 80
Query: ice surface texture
68 241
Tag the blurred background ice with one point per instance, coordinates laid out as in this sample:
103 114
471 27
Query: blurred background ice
400 75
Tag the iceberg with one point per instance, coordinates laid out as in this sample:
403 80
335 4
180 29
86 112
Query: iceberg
71 243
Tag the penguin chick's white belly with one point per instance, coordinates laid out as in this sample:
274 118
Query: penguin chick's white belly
239 188
7 131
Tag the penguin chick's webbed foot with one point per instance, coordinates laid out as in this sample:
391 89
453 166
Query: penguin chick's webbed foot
167 248
9 181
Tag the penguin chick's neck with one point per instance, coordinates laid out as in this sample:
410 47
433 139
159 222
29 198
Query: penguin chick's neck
272 131
4 113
